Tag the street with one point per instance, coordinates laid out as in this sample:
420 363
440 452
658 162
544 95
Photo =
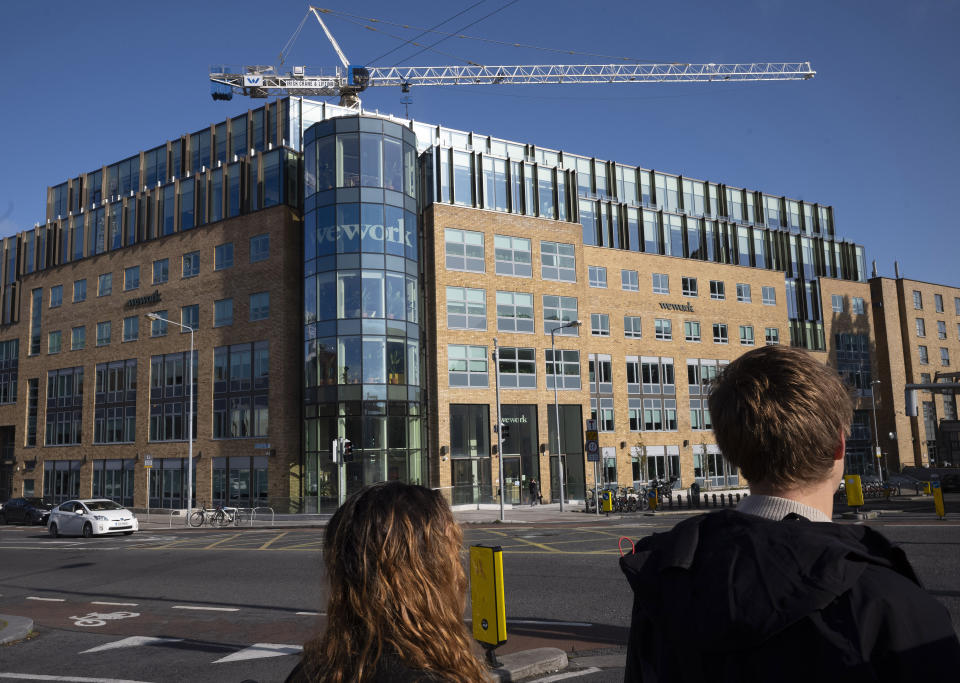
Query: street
232 605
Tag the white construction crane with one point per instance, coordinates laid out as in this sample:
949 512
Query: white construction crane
347 82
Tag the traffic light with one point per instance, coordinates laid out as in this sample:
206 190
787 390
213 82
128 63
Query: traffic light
347 450
504 430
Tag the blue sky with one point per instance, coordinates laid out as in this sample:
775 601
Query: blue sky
875 134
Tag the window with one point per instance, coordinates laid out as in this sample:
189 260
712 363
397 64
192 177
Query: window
917 300
663 329
941 329
518 368
720 333
717 290
558 310
631 326
558 262
131 328
64 406
78 338
158 328
105 284
223 256
688 286
629 280
259 248
743 293
598 276
836 303
115 403
223 312
921 327
131 278
922 353
191 264
746 335
467 366
79 291
772 335
566 370
944 356
241 379
857 305
514 312
938 302
169 396
161 271
956 305
768 295
513 256
691 330
600 324
259 306
56 296
103 333
189 317
661 283
464 250
54 342
466 308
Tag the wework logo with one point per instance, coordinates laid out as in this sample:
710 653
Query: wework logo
373 232
516 420
687 308
143 300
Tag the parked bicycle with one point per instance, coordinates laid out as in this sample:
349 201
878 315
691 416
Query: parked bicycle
218 516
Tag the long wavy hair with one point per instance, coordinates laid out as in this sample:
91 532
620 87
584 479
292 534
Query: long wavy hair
397 588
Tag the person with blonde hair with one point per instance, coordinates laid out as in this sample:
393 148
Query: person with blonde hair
397 592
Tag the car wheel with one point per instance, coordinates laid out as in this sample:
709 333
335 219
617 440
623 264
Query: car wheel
127 533
87 530
53 530
3 518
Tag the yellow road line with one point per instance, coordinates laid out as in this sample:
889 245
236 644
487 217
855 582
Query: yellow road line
222 540
538 545
275 538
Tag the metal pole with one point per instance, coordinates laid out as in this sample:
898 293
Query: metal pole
556 411
496 361
876 434
598 466
190 430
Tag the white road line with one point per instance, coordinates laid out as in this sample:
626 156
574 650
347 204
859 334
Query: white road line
207 609
70 679
534 622
132 641
118 604
568 674
30 597
260 650
310 614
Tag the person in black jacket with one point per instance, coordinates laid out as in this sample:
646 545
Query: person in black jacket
774 591
397 591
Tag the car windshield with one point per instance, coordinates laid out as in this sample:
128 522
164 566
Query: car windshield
39 503
97 505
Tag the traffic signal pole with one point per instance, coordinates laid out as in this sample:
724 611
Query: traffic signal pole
496 362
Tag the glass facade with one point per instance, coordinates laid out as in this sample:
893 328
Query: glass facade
362 306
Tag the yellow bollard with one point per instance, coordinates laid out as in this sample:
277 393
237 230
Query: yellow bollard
938 499
486 598
853 489
607 497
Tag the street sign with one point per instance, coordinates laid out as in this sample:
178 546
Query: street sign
879 452
593 444
148 461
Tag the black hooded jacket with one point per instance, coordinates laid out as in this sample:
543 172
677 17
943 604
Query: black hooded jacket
734 597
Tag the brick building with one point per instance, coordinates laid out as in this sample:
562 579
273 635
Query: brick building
346 276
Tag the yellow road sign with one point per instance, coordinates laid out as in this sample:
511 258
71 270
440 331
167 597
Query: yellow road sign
486 594
853 489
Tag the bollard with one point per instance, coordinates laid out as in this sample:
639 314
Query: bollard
738 498
722 501
714 500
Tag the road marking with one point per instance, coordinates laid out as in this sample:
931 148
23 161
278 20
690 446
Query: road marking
222 540
260 650
271 541
47 599
118 604
132 641
310 614
536 622
568 674
70 679
207 609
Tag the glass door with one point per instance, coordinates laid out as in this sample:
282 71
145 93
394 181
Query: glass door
512 483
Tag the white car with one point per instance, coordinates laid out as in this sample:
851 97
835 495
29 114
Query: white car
89 517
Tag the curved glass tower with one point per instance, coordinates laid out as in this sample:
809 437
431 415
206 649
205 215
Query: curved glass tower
362 306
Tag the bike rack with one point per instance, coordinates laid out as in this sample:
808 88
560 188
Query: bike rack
253 514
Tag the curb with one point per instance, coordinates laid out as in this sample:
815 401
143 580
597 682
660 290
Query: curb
16 628
520 665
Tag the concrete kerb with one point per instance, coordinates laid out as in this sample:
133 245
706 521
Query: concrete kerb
520 665
14 628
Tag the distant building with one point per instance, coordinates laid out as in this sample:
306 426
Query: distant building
347 275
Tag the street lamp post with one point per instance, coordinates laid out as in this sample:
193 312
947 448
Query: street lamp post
876 436
556 401
154 316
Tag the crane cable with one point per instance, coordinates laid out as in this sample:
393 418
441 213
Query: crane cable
358 19
293 38
424 32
